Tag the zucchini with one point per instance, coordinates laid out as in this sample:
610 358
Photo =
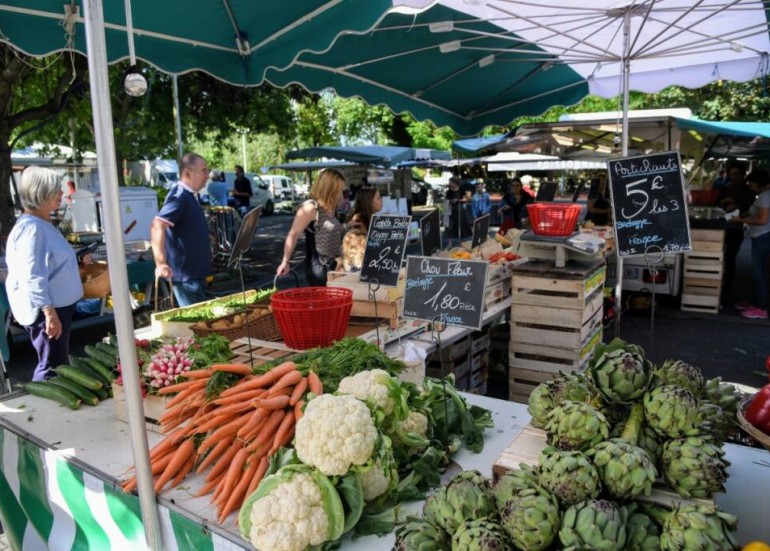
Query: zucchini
53 392
85 367
104 393
102 369
98 355
80 377
80 391
108 349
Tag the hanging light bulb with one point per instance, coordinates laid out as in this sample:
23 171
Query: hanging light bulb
134 82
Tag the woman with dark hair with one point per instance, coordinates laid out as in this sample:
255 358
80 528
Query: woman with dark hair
323 232
368 203
758 222
514 206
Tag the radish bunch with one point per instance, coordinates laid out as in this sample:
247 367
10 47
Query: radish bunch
168 362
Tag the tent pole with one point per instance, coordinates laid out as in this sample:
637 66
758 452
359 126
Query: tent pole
105 147
624 153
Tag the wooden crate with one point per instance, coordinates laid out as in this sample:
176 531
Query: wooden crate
389 311
528 446
496 292
701 299
361 291
550 359
703 272
154 405
255 352
162 326
542 284
553 336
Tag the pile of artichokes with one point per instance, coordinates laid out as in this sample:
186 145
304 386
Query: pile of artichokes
612 432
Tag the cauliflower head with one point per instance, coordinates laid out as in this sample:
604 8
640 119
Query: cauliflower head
292 511
334 433
375 481
416 423
371 386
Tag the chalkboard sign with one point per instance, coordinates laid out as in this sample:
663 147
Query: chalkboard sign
385 247
480 231
245 236
648 204
430 233
445 288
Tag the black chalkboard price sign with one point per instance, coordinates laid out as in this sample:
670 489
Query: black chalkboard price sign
385 247
648 204
430 233
448 289
480 231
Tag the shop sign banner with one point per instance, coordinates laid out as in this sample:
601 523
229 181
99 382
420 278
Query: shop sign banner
385 248
480 231
445 289
648 203
430 233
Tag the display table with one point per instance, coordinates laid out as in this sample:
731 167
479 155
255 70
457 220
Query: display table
60 469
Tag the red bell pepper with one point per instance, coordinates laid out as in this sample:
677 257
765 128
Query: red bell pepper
758 412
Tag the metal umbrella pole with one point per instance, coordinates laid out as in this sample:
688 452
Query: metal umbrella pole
105 147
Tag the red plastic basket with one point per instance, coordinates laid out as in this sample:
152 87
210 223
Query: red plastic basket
553 219
312 316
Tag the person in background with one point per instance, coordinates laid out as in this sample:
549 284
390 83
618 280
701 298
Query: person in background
513 208
43 281
454 202
721 180
241 191
180 236
480 204
599 210
368 203
70 190
323 231
217 189
736 195
758 223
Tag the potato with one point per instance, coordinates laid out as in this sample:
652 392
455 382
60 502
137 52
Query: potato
221 324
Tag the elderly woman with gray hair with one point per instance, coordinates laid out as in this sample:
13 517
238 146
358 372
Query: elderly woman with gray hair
43 282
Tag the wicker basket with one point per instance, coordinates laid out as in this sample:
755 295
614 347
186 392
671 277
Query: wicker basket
752 431
96 280
262 326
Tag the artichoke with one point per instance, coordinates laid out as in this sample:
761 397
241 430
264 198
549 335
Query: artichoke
594 524
574 387
682 374
724 395
642 533
417 534
648 440
625 469
462 499
716 422
695 527
531 519
480 535
526 477
672 412
569 476
694 466
620 371
576 426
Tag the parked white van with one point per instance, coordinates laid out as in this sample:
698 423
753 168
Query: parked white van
280 187
260 192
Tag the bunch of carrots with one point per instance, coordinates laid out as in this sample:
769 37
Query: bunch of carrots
233 435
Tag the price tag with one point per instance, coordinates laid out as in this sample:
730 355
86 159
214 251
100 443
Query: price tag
430 233
445 288
385 248
648 204
480 230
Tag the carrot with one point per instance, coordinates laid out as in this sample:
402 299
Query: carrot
298 413
315 384
243 396
284 433
217 421
179 387
208 443
289 379
262 380
298 391
178 460
275 402
227 431
209 486
162 447
184 394
197 374
129 485
238 369
237 407
159 465
253 420
238 493
236 469
224 461
268 430
186 468
218 450
264 463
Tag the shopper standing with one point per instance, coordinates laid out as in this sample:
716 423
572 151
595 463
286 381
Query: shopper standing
480 202
736 195
180 236
43 282
241 191
758 223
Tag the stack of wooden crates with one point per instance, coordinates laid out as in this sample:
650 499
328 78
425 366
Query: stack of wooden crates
703 272
556 321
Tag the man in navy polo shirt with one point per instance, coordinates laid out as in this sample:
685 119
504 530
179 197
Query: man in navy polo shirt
179 234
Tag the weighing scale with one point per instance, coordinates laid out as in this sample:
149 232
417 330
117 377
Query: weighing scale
577 246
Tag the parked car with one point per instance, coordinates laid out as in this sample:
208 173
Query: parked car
260 192
280 186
